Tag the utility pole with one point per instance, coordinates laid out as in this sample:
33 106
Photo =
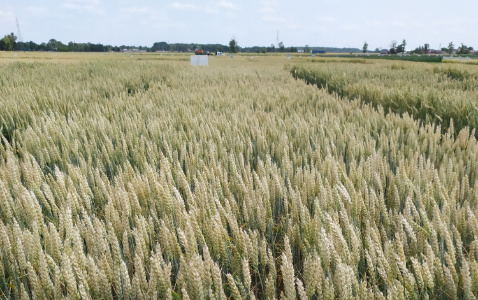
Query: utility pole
19 36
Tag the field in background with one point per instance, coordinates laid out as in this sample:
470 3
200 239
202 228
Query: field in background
138 176
433 93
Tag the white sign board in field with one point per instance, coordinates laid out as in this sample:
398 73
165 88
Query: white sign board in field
199 60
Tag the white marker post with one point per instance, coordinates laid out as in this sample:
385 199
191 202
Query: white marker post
199 60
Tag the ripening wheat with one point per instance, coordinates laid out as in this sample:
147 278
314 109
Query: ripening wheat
145 178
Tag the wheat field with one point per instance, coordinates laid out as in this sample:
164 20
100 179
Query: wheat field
141 177
434 93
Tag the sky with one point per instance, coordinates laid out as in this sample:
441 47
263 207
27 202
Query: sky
325 23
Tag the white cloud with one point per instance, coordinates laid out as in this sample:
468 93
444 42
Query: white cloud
269 6
205 7
83 5
185 6
36 10
229 5
284 22
268 10
7 16
141 15
272 14
350 27
327 20
270 18
136 10
211 10
169 25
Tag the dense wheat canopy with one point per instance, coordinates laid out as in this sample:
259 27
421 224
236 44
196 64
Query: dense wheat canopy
436 93
145 178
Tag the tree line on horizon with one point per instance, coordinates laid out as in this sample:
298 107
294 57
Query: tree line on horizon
9 43
396 48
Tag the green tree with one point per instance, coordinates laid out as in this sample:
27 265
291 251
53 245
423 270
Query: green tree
52 45
404 44
450 48
7 43
281 47
161 46
463 49
426 47
393 47
306 49
365 47
233 46
400 49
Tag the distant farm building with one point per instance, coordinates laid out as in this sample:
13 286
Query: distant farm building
133 51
